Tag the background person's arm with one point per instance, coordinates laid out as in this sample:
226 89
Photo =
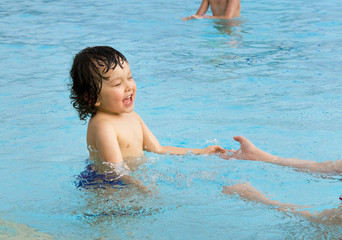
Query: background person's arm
203 8
200 12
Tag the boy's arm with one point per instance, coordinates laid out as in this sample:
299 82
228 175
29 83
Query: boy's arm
151 144
106 143
201 11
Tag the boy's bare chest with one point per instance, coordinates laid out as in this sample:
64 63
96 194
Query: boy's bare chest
130 136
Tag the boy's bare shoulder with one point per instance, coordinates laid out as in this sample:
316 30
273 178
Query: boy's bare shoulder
100 120
99 125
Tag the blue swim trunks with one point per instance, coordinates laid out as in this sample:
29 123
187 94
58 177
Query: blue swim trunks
89 178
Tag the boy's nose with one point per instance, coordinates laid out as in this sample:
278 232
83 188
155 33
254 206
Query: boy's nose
128 86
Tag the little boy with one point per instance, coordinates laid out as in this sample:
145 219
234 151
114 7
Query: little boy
221 9
103 89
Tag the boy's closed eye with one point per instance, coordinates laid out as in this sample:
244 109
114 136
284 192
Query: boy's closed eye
116 83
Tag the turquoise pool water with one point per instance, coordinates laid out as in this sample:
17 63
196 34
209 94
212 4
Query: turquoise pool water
274 76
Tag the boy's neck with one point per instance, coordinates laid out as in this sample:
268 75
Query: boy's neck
108 112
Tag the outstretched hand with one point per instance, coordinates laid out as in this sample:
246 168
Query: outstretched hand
247 150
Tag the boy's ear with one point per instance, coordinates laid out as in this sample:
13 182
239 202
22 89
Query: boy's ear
98 103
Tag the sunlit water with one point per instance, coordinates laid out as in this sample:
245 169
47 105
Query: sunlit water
273 75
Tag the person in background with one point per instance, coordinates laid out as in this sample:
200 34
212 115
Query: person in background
221 9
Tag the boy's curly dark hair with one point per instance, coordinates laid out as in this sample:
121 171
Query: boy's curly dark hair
87 75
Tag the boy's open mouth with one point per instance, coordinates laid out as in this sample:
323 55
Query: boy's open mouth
128 100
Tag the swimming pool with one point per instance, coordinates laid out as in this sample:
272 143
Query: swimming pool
274 75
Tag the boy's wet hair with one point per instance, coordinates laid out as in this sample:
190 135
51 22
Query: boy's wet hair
87 75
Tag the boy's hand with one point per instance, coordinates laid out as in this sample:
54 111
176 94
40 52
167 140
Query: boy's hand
214 149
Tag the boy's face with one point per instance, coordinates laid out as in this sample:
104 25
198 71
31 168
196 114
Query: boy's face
118 91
